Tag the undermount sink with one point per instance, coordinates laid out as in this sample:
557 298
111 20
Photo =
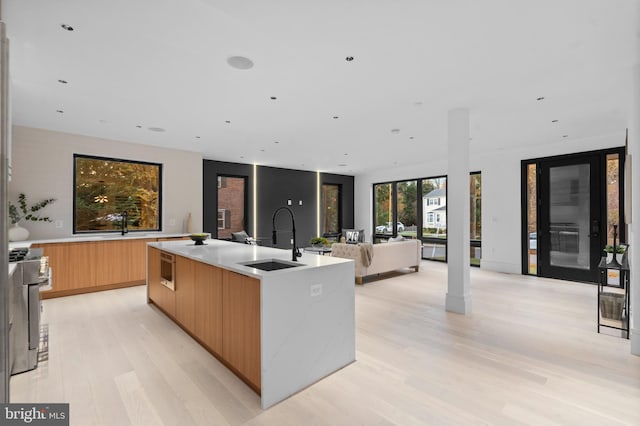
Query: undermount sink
271 264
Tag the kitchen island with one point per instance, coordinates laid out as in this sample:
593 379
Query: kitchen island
279 330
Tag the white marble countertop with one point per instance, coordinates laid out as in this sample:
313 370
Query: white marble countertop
230 255
96 237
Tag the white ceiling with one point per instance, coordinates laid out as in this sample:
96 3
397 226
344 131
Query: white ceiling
162 63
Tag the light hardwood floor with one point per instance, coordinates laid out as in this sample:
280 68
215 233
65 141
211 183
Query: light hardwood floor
528 354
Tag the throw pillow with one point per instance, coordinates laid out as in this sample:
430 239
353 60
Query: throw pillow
239 237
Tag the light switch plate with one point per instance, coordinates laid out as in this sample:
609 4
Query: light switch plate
288 202
300 202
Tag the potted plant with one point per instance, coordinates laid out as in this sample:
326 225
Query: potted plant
609 250
24 212
319 242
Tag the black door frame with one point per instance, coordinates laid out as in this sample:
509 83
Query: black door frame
601 162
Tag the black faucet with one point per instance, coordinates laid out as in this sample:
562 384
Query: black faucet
124 218
295 253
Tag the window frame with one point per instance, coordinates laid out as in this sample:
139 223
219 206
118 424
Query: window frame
323 231
77 156
221 178
421 217
223 219
394 210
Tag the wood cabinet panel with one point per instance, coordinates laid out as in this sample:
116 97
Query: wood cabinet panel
159 294
95 265
208 306
121 261
185 292
73 265
241 324
153 275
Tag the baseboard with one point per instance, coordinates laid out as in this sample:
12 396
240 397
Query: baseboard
52 294
635 341
497 266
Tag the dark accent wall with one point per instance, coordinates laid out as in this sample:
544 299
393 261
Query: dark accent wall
275 187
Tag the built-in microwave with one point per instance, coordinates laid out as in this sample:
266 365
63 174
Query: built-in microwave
168 270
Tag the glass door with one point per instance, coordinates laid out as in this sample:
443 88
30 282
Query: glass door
570 228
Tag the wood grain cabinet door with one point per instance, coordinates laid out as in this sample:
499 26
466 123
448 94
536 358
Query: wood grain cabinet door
241 325
185 292
72 264
208 306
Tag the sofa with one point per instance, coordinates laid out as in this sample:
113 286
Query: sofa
379 258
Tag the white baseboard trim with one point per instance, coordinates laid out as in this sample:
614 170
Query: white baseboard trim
497 266
635 341
458 304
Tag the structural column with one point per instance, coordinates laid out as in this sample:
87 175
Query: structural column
634 249
458 294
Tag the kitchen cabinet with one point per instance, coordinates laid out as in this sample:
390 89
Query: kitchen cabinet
163 297
121 261
219 308
277 330
185 292
87 266
208 306
241 325
73 266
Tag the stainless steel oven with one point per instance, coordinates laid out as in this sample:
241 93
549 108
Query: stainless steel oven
31 273
168 270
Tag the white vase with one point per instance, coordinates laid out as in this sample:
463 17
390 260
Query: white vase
618 257
18 233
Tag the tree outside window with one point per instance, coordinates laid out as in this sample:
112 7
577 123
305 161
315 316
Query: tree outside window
105 188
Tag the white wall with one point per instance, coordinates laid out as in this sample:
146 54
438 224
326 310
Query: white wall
501 208
43 168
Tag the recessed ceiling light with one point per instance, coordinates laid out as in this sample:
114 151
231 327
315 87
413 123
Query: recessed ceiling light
395 131
240 62
156 129
540 98
335 117
67 27
349 58
273 98
60 111
554 121
63 81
